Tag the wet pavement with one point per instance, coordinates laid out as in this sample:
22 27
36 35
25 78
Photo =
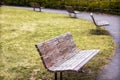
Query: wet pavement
112 70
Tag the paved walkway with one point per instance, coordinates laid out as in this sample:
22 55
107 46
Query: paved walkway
112 70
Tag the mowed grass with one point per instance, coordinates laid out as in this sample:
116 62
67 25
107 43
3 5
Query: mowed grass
21 29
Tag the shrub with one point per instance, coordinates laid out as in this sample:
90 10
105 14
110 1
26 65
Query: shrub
86 5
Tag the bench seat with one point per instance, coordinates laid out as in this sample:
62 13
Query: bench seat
76 61
102 23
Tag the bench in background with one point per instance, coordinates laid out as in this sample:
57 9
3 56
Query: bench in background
99 23
35 5
71 11
60 54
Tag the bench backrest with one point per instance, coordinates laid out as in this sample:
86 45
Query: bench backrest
55 50
70 9
35 4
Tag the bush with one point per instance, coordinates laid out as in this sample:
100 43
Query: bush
86 5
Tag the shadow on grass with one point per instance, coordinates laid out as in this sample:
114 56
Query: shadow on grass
71 75
73 17
99 32
1 77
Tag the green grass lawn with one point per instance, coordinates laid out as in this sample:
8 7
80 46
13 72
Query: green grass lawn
21 29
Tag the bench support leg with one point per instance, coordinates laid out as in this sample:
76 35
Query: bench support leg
75 15
40 9
60 75
81 70
33 8
70 14
55 76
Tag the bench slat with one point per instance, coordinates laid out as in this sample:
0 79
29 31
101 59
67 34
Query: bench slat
79 59
86 60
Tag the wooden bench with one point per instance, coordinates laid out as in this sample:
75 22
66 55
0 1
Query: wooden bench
99 23
60 54
71 11
35 5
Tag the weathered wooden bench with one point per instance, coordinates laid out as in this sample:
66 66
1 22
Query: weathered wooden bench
60 54
35 5
71 11
99 23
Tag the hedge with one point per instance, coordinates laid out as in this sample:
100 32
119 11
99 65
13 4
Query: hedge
110 6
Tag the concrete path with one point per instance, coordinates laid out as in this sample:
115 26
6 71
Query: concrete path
112 70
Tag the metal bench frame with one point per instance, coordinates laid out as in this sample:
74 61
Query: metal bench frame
35 5
60 54
71 11
99 23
